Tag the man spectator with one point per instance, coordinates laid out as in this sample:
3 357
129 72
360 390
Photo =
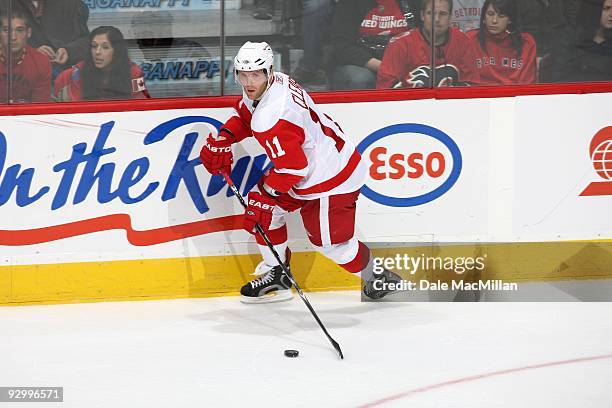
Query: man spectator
163 58
315 16
407 60
59 28
27 70
361 29
315 20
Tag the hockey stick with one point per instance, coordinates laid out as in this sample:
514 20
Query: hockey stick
261 232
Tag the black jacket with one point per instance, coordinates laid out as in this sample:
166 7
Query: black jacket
590 62
63 24
552 25
348 15
587 60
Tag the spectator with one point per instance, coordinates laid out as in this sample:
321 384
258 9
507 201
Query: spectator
466 14
165 60
264 9
59 28
315 16
504 55
552 25
407 60
315 19
106 72
592 59
30 72
361 29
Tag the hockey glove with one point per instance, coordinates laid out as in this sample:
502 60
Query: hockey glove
216 155
258 211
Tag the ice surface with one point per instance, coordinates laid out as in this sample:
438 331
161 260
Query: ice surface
218 352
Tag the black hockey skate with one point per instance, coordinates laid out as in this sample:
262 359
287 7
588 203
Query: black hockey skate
371 291
272 286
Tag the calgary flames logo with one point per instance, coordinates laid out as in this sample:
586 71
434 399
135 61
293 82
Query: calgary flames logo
421 77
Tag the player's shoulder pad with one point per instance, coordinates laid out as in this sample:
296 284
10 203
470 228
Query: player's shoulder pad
270 110
267 117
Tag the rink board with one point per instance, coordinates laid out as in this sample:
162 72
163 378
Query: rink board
115 205
224 275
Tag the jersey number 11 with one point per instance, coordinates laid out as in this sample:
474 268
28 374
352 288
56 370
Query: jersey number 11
279 150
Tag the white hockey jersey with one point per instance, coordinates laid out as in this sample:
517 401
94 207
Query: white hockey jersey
312 156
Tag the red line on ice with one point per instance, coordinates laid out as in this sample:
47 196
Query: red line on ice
480 377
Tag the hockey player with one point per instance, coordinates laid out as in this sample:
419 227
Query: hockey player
316 169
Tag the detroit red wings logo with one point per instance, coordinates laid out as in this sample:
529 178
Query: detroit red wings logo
420 77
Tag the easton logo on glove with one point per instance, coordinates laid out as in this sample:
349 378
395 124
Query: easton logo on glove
258 204
215 149
216 155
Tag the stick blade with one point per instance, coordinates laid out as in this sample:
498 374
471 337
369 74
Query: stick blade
337 347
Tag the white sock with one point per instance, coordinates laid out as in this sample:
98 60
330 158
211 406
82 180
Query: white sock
269 258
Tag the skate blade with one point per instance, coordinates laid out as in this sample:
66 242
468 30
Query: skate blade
276 296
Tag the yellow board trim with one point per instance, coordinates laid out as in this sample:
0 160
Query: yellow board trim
224 275
155 279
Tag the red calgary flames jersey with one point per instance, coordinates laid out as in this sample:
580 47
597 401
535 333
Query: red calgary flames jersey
407 61
500 64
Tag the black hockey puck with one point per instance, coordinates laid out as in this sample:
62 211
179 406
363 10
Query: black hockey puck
291 353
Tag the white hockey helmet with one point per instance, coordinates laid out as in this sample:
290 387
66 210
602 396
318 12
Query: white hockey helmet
254 56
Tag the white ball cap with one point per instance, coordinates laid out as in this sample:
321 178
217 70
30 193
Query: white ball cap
254 56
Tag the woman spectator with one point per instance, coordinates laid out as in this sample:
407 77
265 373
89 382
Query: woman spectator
592 54
504 55
106 72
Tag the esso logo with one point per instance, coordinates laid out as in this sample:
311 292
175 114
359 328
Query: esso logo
409 164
